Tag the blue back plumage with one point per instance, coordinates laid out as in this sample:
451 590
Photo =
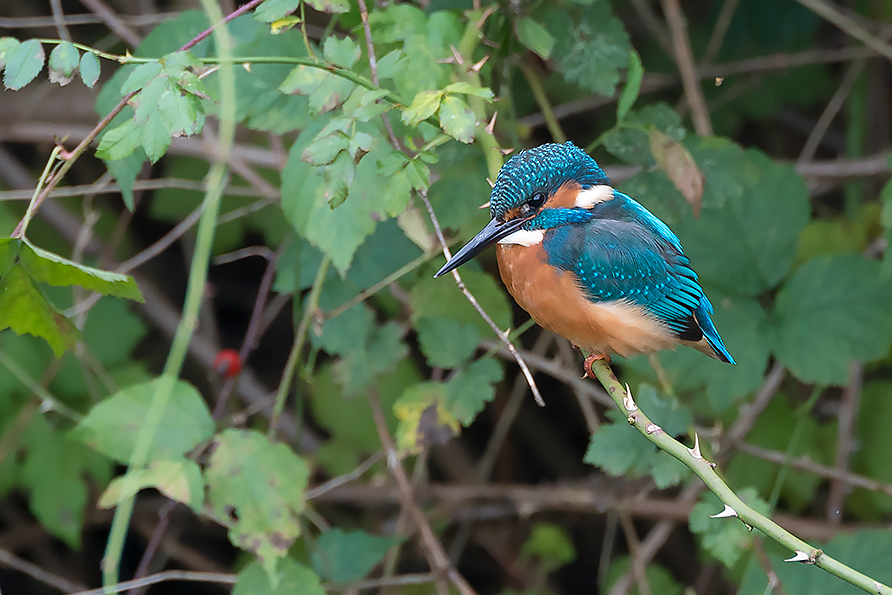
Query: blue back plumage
623 252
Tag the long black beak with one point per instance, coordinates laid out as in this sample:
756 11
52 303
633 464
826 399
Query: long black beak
494 231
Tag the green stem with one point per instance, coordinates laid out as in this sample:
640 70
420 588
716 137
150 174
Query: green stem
694 461
194 293
33 204
299 338
804 410
535 83
47 401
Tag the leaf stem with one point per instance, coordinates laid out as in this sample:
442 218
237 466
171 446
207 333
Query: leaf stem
694 461
194 294
299 339
33 204
535 83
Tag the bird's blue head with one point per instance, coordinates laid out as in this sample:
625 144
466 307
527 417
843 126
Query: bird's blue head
537 189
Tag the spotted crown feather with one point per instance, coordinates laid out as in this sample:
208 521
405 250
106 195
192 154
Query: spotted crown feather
544 168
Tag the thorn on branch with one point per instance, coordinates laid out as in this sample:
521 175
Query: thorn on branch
800 557
695 452
726 513
652 428
628 401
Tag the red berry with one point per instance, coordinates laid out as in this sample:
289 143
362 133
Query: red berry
228 363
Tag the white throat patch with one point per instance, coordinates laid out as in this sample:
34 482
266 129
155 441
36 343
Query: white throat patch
588 198
523 237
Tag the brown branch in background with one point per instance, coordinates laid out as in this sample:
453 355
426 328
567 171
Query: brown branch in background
10 560
59 20
830 110
845 439
113 21
721 29
652 23
503 337
849 25
684 58
373 66
440 562
634 544
750 412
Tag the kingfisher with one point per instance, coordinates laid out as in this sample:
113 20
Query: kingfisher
590 263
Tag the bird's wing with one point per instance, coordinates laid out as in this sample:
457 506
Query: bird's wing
624 261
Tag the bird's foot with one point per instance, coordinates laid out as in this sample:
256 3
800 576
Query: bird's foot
591 359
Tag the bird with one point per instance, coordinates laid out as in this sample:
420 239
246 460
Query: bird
590 263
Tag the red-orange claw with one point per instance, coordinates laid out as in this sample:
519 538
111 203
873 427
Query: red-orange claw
227 363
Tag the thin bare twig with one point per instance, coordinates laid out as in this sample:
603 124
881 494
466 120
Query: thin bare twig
830 110
373 67
634 544
441 564
684 58
162 577
113 21
59 20
503 337
721 29
845 439
7 558
848 24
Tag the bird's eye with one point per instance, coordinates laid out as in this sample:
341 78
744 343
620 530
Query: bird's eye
537 200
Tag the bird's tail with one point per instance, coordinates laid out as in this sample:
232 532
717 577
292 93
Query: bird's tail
716 348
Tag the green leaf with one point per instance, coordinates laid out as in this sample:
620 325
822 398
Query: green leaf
471 389
259 487
535 37
124 172
874 417
550 545
621 450
9 250
330 6
303 80
23 63
89 69
112 425
324 150
336 232
140 77
633 86
181 112
60 272
55 472
155 137
423 107
748 246
382 351
441 298
343 52
24 309
457 119
469 89
347 556
389 65
64 60
446 343
725 539
7 44
290 578
832 310
179 480
119 142
630 139
591 46
273 10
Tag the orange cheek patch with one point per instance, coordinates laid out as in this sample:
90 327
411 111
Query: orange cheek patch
565 197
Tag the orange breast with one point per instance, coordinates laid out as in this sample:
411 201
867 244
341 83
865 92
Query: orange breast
555 301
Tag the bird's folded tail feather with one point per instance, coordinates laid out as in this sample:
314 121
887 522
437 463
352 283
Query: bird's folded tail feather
710 334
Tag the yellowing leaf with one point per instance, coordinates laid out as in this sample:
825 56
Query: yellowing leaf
423 107
259 487
423 419
673 158
457 119
179 480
